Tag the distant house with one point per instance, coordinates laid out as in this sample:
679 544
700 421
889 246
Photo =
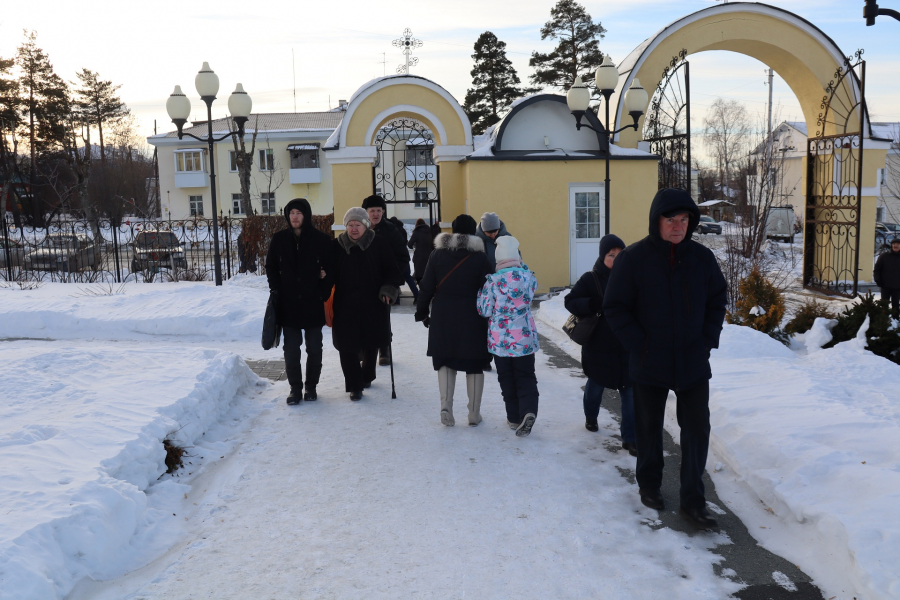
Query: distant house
287 163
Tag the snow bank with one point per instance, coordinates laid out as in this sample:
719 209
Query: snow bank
814 436
80 462
195 309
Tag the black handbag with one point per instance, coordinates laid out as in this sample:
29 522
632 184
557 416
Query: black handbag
579 329
271 333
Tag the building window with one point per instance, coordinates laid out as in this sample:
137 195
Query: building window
232 160
188 161
879 213
304 156
419 156
266 160
421 198
236 204
196 206
587 215
268 203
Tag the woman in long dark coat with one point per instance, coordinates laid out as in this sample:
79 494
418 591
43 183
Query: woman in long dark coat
422 242
457 334
367 282
603 358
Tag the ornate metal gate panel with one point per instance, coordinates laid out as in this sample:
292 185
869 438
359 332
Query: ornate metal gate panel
834 166
667 127
404 170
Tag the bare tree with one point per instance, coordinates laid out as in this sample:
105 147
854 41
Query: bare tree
271 172
243 160
727 129
97 102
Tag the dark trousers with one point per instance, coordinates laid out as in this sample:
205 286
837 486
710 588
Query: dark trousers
692 410
359 368
593 395
293 337
894 295
518 384
411 282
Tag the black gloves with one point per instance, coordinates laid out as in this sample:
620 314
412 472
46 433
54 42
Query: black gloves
422 317
596 305
426 322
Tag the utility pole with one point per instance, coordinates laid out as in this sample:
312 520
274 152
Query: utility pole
294 71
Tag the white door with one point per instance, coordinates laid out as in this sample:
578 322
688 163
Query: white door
587 222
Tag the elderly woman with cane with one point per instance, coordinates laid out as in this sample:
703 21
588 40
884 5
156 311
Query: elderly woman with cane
456 332
367 282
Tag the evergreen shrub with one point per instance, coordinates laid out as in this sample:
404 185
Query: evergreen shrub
806 316
882 339
754 291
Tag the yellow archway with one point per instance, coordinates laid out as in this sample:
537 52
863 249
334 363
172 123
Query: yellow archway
351 152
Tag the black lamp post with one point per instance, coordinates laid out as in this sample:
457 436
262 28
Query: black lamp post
579 97
871 10
179 109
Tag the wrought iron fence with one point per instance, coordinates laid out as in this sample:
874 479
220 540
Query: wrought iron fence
102 250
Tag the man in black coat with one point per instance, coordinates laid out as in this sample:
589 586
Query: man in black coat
666 303
887 276
377 209
299 270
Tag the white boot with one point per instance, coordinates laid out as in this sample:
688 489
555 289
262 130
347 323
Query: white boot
447 384
474 387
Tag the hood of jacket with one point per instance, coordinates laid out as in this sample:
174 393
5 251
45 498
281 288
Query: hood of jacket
304 207
673 199
458 241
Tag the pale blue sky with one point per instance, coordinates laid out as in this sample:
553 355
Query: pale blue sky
339 45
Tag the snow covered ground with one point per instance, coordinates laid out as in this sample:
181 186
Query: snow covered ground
337 499
805 447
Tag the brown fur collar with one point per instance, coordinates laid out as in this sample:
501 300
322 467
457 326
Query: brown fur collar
364 242
458 241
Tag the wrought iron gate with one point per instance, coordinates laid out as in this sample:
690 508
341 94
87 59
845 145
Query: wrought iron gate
404 170
834 166
667 127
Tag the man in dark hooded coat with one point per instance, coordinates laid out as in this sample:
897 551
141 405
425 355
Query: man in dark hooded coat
665 301
299 270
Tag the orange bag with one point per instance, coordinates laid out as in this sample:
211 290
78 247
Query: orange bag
329 309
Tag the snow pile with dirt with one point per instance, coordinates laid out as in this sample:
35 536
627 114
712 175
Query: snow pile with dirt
81 452
814 435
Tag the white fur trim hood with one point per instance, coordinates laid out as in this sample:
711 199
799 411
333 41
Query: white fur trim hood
458 241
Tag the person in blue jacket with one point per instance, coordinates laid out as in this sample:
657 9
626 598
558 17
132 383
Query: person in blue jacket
665 301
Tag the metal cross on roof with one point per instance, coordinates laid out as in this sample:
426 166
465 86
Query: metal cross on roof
407 43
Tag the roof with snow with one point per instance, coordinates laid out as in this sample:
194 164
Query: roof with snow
308 121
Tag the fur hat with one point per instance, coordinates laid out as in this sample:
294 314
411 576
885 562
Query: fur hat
464 224
609 242
357 214
490 221
374 201
507 248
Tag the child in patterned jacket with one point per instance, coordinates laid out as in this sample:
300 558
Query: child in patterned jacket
505 299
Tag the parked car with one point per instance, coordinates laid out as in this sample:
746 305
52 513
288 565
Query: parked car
709 225
16 253
780 222
157 249
64 252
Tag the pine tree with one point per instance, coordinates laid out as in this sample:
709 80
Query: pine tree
495 83
578 50
44 104
98 104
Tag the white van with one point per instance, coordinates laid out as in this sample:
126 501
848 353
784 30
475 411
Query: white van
780 223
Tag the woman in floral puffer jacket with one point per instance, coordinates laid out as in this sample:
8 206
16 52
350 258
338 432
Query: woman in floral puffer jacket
505 299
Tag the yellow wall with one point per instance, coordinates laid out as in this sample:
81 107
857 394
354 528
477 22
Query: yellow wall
532 199
352 183
452 189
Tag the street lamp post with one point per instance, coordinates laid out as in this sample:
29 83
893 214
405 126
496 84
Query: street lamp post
179 109
871 10
579 97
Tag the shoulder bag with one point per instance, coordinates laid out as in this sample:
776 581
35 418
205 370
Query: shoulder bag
579 329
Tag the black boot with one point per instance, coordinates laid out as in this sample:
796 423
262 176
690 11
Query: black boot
631 447
591 425
310 393
357 395
652 499
294 397
385 358
699 517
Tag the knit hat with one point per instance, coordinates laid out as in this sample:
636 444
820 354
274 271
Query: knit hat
896 240
357 214
507 248
374 201
490 221
464 224
609 242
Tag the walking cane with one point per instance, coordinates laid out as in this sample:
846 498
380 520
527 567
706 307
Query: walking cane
391 350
